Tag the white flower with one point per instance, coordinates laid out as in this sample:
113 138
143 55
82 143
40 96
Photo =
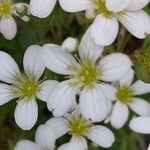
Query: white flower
24 86
127 95
8 27
107 13
140 125
85 77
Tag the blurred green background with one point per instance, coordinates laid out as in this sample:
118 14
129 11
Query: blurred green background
54 29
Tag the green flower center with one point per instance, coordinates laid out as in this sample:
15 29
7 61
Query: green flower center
78 125
124 94
5 7
100 7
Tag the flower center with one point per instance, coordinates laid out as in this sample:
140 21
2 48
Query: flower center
78 125
26 86
124 94
5 7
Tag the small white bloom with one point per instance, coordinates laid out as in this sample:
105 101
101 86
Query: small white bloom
24 86
85 77
8 27
126 95
107 13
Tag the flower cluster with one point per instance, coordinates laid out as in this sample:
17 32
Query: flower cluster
95 88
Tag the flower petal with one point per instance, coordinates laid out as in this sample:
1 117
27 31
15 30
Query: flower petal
104 30
8 27
61 98
26 113
140 106
75 5
137 23
88 50
46 88
119 115
41 9
140 125
93 104
27 145
101 136
114 66
32 62
116 5
137 5
57 60
58 125
8 68
139 87
45 137
5 93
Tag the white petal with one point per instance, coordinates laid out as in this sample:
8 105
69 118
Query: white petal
8 27
93 104
8 68
45 137
75 5
71 146
140 106
101 136
58 125
127 79
32 62
139 87
114 66
46 88
26 113
61 98
5 93
137 23
57 60
137 4
140 125
119 115
88 50
27 145
80 141
40 8
104 30
148 147
117 5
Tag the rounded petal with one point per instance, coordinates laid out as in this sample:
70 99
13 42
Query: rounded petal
75 5
104 30
57 60
137 23
71 146
140 125
119 115
114 66
8 27
40 8
8 68
93 104
140 106
58 125
139 87
45 137
5 93
46 88
27 145
32 61
61 98
137 4
88 50
117 5
101 136
26 113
